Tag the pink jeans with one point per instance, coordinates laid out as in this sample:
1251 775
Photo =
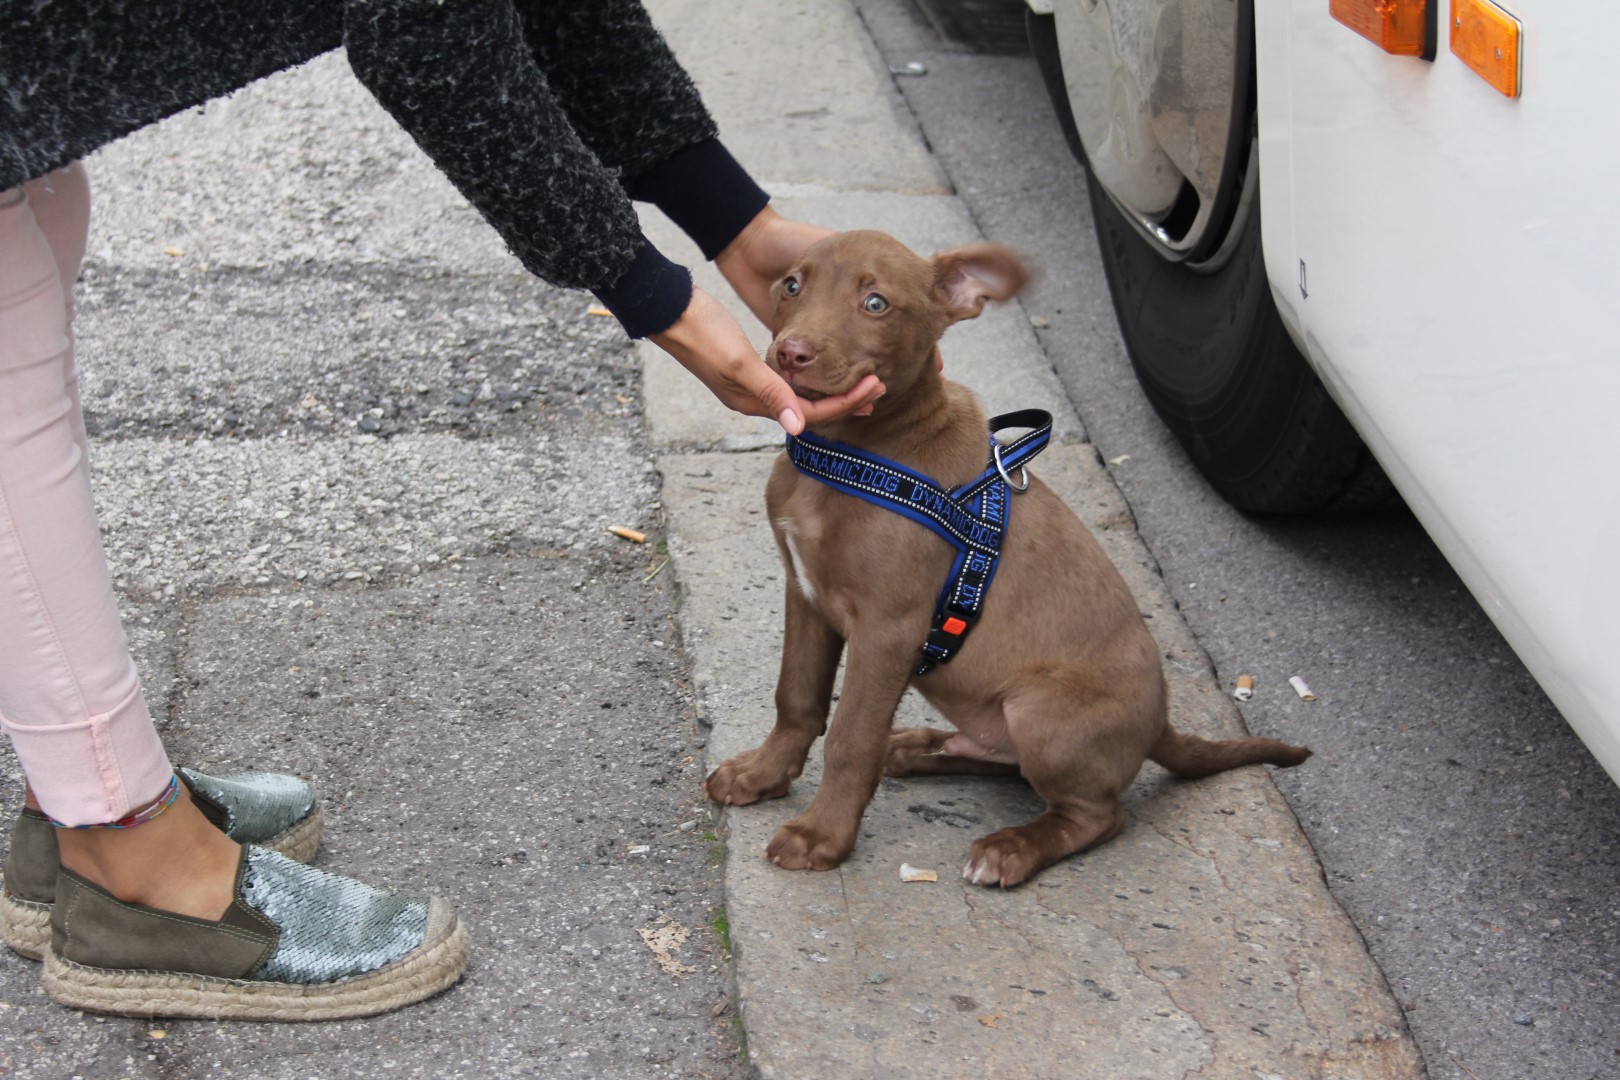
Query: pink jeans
69 696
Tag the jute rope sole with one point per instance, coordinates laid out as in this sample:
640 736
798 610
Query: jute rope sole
25 925
434 966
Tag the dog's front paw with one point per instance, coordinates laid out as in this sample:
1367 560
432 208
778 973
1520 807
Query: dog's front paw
746 778
799 845
1005 858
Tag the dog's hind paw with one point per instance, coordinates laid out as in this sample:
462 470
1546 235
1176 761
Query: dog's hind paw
909 746
1002 858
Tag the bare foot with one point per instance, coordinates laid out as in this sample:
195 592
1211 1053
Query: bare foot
176 862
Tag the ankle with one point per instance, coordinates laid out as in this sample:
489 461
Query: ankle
176 862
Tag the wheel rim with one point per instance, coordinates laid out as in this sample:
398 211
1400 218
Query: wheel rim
1154 86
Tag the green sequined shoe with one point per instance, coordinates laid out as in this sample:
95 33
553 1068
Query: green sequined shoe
272 810
296 944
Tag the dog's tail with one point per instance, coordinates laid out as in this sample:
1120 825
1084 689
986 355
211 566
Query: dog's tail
1190 757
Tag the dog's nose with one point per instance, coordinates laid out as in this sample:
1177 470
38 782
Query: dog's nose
795 352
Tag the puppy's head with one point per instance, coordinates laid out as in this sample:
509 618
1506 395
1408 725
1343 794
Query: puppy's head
862 303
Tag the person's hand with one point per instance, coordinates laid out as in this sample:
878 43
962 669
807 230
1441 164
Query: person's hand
763 252
707 341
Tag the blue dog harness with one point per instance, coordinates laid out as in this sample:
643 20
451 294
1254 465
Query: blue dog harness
971 517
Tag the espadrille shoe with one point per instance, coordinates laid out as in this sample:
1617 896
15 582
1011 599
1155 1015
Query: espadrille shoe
272 810
296 944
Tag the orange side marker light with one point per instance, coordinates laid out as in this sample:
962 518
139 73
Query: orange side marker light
1399 27
1487 39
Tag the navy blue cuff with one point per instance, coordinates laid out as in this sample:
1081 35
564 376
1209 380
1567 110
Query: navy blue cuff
705 191
651 295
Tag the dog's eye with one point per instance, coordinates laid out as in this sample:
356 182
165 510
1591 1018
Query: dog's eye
875 304
790 286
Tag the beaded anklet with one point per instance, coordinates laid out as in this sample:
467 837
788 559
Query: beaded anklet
135 817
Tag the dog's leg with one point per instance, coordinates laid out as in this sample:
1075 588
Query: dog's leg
920 751
879 668
1077 764
810 652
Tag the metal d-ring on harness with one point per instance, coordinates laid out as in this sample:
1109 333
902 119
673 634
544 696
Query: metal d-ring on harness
971 517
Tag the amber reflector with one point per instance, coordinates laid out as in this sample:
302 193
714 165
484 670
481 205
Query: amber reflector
1486 38
1396 26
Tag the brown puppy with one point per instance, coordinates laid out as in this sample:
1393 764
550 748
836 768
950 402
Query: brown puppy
1059 681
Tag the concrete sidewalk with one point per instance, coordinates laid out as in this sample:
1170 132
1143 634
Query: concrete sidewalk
1201 941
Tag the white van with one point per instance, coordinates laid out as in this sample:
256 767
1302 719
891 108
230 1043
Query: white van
1361 242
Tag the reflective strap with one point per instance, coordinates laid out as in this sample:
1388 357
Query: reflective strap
894 487
972 518
1015 454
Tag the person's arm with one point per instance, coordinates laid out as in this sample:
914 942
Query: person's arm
459 77
637 109
615 77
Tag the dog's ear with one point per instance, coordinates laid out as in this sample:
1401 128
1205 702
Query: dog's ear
965 277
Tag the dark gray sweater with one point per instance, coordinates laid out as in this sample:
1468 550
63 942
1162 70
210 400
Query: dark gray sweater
544 114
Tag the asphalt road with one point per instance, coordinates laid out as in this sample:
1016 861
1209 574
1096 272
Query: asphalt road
1460 822
354 469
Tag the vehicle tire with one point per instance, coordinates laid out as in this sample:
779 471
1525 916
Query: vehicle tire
1215 361
1218 366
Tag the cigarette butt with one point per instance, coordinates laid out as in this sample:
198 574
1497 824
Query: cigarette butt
597 309
628 534
911 873
1301 689
174 252
1245 688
